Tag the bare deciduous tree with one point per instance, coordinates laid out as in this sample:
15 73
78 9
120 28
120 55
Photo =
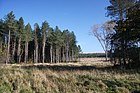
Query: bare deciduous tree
102 32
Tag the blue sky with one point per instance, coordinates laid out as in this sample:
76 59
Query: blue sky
76 15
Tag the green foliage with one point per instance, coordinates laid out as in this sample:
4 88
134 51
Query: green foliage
125 49
10 22
27 33
118 8
20 25
44 28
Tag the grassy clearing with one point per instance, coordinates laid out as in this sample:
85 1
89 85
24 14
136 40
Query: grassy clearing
68 78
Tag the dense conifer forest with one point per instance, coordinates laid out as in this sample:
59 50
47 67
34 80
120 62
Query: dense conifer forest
20 43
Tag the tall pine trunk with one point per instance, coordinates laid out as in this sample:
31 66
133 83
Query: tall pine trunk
14 48
51 53
64 58
43 50
8 48
67 53
72 55
36 49
36 54
57 55
19 50
26 52
54 54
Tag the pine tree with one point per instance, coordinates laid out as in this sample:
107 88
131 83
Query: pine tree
20 35
44 29
28 38
50 39
58 43
67 40
10 26
36 41
118 8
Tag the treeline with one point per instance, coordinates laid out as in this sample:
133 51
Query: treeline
91 55
20 43
125 41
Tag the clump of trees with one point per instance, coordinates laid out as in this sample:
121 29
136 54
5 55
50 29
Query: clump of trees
120 37
125 42
20 43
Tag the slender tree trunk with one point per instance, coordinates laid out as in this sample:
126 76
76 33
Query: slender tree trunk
39 55
51 53
34 56
5 40
72 55
25 60
36 53
69 56
60 55
57 55
43 50
106 52
19 50
14 48
106 55
54 55
26 52
36 49
64 59
8 48
67 53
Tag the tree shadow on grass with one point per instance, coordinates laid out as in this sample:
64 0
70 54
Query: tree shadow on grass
113 69
60 67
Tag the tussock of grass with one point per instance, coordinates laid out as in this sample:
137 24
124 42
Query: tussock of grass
70 80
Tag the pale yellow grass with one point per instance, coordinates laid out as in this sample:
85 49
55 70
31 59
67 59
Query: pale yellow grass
95 62
98 62
50 80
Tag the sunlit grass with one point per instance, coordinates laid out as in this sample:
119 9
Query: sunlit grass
20 79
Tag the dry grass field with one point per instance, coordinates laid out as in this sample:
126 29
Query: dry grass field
98 62
90 75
